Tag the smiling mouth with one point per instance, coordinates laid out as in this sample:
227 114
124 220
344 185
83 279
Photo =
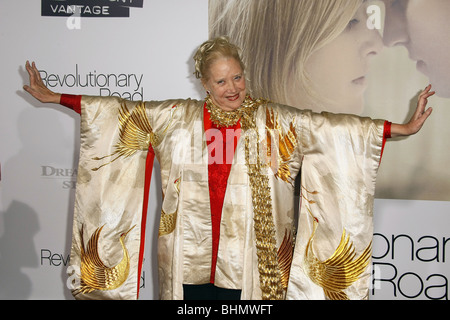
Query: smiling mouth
233 98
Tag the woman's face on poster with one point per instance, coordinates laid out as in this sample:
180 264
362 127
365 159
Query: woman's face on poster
338 70
423 28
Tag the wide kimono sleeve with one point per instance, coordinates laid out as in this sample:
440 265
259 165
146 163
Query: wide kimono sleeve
341 156
116 158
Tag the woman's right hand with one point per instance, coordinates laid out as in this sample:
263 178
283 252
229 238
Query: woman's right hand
37 87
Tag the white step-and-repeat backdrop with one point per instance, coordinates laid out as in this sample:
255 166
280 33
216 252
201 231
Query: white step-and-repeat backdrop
144 49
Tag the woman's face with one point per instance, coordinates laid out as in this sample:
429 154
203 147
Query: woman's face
422 27
226 84
338 70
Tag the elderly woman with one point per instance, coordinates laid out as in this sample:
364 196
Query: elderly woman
227 164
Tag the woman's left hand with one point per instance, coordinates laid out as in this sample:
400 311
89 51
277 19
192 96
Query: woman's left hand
418 119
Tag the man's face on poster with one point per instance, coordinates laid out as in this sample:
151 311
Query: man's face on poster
423 28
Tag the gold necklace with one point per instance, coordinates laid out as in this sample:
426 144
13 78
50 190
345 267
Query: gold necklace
222 118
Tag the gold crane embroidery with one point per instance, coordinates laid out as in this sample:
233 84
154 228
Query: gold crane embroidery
285 253
167 224
135 133
95 275
283 146
168 221
338 272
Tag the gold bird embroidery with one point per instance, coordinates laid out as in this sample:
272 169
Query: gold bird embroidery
95 275
338 272
168 221
285 253
135 133
282 144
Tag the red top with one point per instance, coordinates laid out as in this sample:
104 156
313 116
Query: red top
71 101
222 144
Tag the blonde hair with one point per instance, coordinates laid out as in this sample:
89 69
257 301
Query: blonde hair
278 36
210 51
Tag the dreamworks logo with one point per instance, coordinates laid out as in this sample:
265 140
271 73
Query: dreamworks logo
67 176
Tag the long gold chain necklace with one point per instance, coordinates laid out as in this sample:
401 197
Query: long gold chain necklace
266 244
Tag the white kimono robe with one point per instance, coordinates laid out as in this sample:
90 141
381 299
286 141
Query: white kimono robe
296 257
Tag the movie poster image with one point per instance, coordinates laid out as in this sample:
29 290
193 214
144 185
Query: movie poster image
370 58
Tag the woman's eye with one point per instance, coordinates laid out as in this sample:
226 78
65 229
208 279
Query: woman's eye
352 23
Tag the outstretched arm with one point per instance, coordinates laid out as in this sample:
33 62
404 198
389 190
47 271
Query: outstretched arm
418 119
37 87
